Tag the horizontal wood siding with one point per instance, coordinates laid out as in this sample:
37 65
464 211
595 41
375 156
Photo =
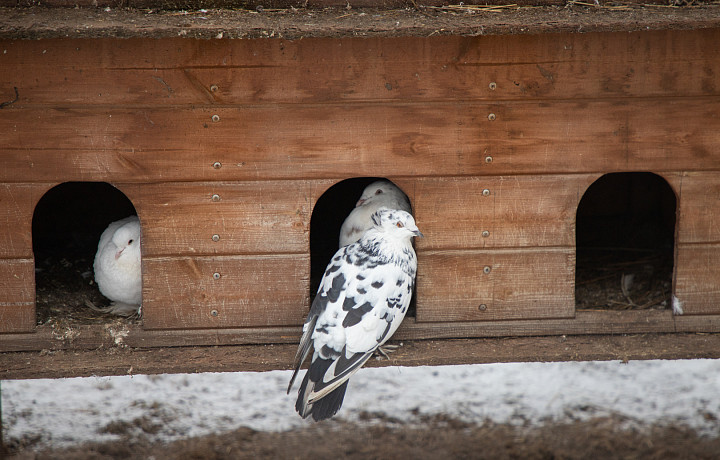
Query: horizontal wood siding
228 291
288 142
495 285
183 72
495 140
247 217
697 274
17 295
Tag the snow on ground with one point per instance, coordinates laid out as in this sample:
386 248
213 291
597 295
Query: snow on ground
67 411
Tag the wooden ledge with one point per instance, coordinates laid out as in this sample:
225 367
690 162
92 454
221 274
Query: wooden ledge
124 361
41 23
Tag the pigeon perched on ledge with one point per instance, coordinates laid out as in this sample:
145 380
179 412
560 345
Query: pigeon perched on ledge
362 299
382 193
117 267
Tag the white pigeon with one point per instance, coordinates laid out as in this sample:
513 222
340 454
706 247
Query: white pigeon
382 193
118 268
363 297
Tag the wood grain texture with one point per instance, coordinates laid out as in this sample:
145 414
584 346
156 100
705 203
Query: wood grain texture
17 295
124 361
699 210
248 217
516 211
118 335
17 204
495 285
325 141
696 278
182 72
184 292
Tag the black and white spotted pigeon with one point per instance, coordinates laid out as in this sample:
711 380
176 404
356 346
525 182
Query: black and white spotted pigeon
362 299
382 193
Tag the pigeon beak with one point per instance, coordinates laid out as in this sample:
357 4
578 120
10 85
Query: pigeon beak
418 233
359 202
119 253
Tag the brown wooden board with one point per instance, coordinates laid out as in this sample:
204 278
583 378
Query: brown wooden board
321 141
696 278
17 295
495 285
17 204
227 291
699 210
130 361
515 211
207 72
247 217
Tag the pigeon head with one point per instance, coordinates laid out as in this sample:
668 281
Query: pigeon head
380 190
395 222
127 241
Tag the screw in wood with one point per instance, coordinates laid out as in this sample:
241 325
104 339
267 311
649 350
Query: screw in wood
485 233
488 159
482 307
215 118
215 197
214 312
486 270
217 165
214 88
216 276
491 117
486 192
216 238
492 85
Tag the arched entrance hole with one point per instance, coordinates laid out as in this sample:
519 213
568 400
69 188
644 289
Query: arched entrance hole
328 216
625 236
67 223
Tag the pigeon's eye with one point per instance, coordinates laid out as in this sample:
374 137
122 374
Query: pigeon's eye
130 242
378 192
399 225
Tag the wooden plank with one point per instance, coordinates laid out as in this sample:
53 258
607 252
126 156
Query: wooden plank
374 140
17 295
495 285
114 361
697 278
119 334
515 211
699 208
185 293
17 204
248 217
177 71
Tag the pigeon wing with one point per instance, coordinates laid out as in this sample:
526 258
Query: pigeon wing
368 310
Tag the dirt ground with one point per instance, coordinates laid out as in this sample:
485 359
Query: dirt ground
606 437
295 23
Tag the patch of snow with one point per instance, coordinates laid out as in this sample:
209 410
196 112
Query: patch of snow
69 411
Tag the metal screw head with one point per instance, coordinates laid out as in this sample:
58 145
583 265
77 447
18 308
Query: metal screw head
215 118
216 276
491 116
486 192
214 88
492 85
485 233
486 269
216 238
217 165
214 312
482 307
215 197
488 159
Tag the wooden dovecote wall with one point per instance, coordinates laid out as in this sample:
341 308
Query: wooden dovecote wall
224 147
